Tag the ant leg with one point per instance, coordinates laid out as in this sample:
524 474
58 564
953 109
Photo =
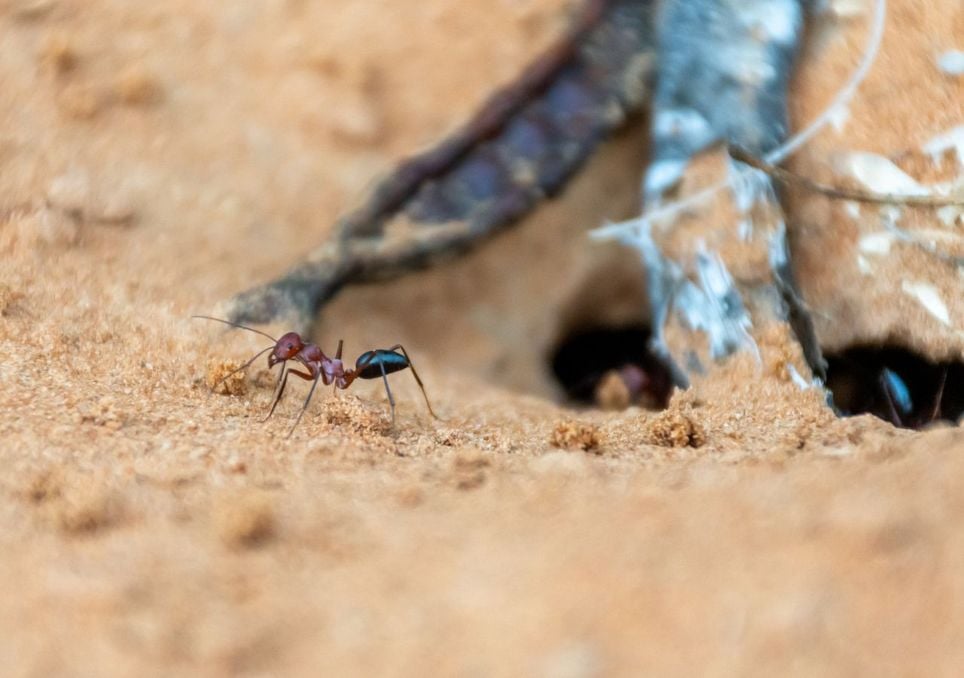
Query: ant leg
305 406
391 399
244 366
936 412
887 384
334 385
411 366
279 391
364 364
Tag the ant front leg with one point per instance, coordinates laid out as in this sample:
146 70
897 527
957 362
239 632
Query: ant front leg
279 391
311 392
282 382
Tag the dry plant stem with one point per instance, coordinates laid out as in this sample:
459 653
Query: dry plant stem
788 177
522 146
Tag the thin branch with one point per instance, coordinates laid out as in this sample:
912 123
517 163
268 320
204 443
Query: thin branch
788 177
844 95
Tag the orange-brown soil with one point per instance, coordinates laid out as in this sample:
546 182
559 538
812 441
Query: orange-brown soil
155 158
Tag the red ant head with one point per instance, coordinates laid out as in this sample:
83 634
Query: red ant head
286 349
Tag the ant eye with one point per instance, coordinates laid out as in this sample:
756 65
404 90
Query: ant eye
290 346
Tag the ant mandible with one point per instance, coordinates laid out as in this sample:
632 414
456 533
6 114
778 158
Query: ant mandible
370 365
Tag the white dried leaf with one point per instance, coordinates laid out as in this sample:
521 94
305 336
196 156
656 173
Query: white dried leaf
876 243
928 297
848 9
951 139
951 215
879 174
952 62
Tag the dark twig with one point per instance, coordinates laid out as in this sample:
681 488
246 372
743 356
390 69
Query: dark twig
787 177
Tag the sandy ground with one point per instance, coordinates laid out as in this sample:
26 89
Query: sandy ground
155 160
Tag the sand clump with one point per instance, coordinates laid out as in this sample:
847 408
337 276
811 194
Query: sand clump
58 55
224 377
346 411
675 427
245 519
44 486
29 229
10 299
86 510
105 411
76 506
577 435
469 468
137 86
82 96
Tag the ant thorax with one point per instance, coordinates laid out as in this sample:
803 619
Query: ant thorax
334 370
311 354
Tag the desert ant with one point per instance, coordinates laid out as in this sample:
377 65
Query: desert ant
370 365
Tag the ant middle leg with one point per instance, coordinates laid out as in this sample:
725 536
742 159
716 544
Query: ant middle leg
364 368
388 390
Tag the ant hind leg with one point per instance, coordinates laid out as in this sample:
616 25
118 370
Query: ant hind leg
418 379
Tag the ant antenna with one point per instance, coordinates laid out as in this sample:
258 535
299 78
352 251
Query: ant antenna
238 325
245 365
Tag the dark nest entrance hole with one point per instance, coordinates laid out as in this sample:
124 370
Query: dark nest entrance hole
601 356
896 385
611 367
